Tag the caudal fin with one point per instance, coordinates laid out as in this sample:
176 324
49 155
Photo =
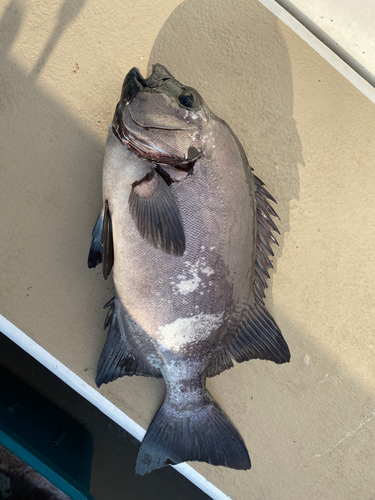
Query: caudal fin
204 434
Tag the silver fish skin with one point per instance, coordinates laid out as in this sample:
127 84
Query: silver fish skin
187 229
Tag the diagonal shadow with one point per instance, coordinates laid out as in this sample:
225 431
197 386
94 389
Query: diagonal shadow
69 11
234 55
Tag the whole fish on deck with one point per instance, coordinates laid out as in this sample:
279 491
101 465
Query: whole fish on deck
187 228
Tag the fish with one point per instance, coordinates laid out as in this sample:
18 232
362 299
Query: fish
187 228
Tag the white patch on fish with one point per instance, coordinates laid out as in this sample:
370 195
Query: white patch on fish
184 331
186 286
153 359
208 271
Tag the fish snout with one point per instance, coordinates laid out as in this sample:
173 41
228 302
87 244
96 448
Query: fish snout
133 84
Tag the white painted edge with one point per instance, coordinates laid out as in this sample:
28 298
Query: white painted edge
95 398
333 59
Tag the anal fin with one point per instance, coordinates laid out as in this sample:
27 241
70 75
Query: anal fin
118 358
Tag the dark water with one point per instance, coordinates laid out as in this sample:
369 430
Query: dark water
115 451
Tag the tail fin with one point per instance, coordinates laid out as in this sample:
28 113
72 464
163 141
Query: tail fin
203 434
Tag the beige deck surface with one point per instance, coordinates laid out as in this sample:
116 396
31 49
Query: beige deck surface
309 134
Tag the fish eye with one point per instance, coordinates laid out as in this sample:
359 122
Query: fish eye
186 100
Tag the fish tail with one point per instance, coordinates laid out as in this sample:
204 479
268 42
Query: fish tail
203 434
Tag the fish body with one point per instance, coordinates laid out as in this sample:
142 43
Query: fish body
186 228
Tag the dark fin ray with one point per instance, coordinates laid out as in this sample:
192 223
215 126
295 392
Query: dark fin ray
259 290
258 337
118 358
95 254
204 434
265 227
263 242
264 205
110 313
263 254
156 214
267 219
265 230
262 267
260 187
107 242
260 278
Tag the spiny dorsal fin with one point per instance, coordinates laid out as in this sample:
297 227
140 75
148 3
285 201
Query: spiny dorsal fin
264 237
257 335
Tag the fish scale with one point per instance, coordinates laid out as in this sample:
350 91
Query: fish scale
187 229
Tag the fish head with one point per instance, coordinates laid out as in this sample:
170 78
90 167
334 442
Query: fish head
161 119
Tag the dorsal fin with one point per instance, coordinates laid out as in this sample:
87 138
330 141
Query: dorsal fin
257 335
264 237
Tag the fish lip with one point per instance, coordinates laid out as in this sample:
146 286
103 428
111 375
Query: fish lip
158 127
135 142
148 150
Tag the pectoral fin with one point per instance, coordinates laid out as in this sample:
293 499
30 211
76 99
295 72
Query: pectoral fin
96 251
101 249
156 214
107 242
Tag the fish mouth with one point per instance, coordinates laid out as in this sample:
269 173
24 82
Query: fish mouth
131 134
147 149
171 168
